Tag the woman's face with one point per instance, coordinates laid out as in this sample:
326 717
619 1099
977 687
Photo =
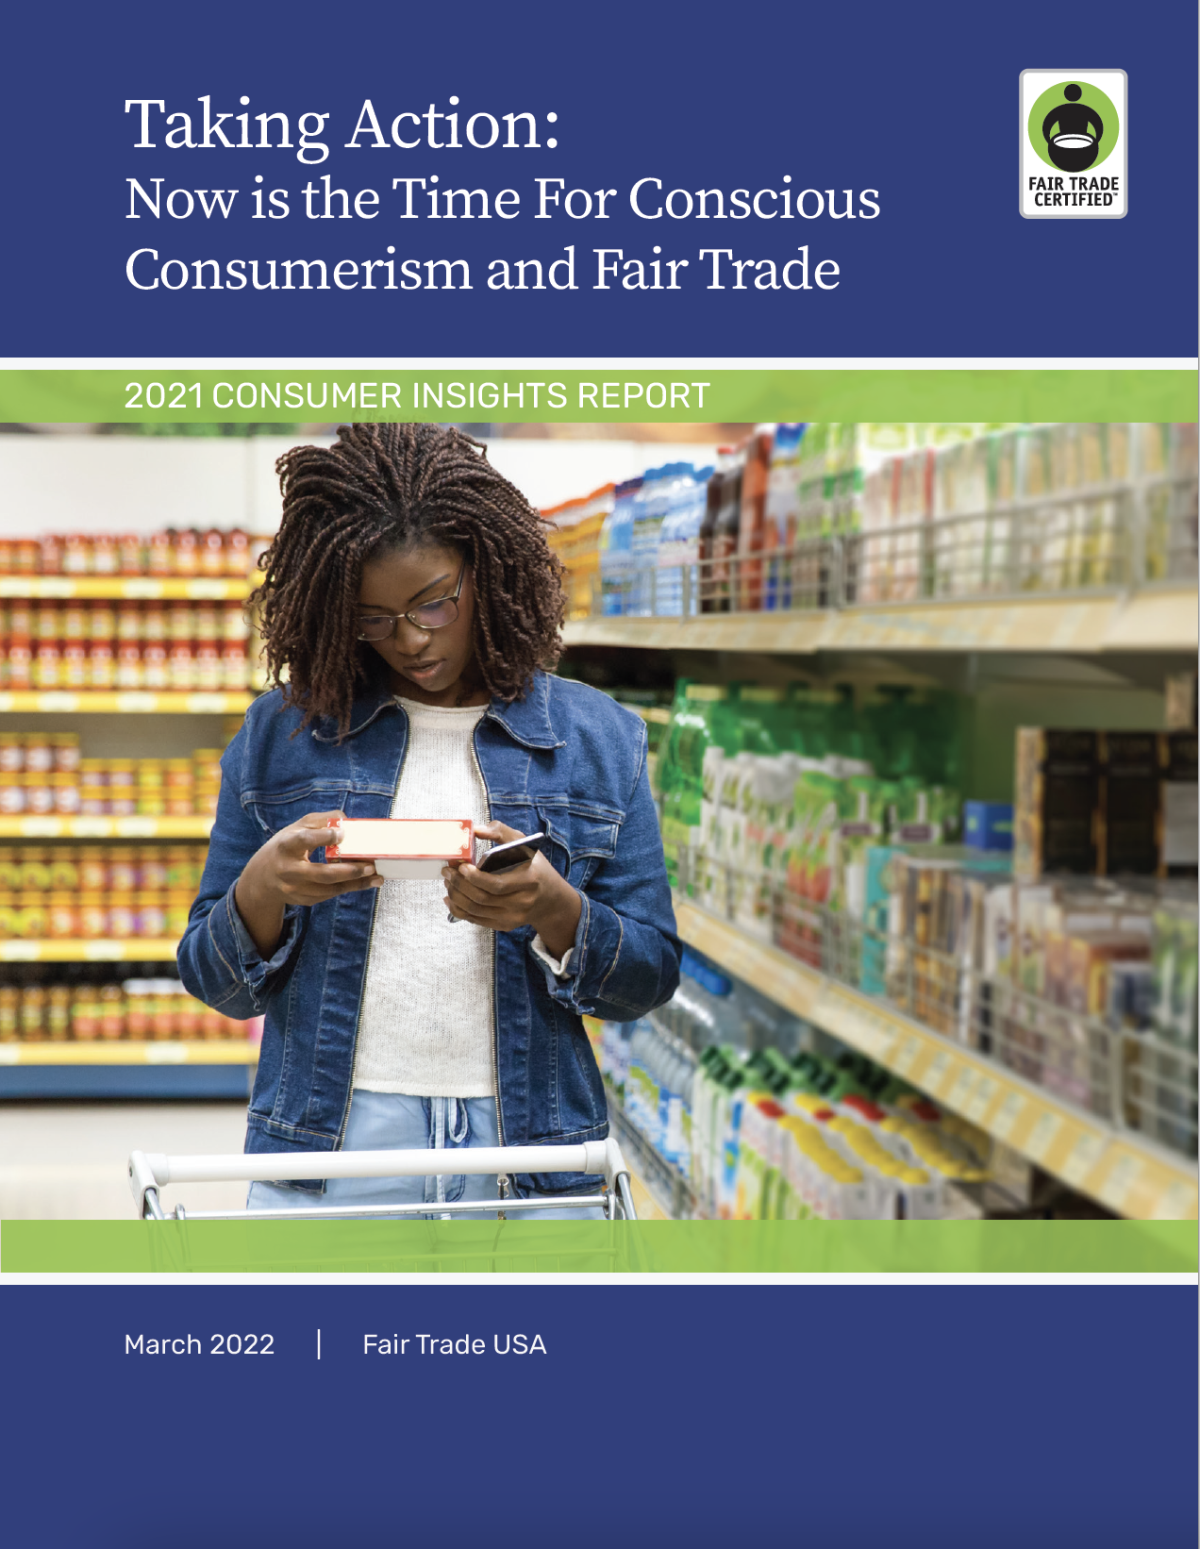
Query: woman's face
431 666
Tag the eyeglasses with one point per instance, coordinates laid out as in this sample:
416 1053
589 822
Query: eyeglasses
429 616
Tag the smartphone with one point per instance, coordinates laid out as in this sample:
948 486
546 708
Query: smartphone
503 857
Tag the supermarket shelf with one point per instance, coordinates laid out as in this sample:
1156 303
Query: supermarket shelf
1127 1175
105 828
129 703
1151 620
229 1051
134 949
169 588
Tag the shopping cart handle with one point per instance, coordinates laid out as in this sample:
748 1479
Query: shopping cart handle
151 1171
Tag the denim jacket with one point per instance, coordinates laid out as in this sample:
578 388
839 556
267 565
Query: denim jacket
566 760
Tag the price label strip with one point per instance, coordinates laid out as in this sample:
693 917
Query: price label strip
1117 1186
1082 1158
1011 1109
1043 1135
981 1099
907 1057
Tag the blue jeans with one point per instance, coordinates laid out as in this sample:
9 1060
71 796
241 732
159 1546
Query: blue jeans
387 1121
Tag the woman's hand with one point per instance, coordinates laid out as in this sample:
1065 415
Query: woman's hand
280 873
530 894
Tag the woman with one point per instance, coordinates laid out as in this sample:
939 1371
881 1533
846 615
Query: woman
410 609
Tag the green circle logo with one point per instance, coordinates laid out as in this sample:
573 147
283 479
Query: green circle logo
1073 126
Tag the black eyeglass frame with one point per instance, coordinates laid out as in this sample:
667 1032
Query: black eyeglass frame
425 629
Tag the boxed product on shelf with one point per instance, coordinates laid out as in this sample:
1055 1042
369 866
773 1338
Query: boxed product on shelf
1105 803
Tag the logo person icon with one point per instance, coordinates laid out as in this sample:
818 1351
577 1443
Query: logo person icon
1074 155
1072 131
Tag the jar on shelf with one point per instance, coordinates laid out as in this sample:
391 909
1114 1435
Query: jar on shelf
75 620
9 923
10 1013
236 624
112 1012
162 1017
122 868
239 552
39 794
101 667
212 552
19 662
122 915
131 559
235 669
39 754
208 668
12 794
206 623
93 870
58 1013
67 794
47 666
152 867
62 916
137 1018
181 621
129 621
10 869
104 554
93 787
179 905
130 674
158 554
182 667
102 621
154 621
93 916
77 554
31 916
85 1014
50 553
64 868
12 752
33 1013
185 551
122 773
47 623
73 669
152 914
155 668
35 868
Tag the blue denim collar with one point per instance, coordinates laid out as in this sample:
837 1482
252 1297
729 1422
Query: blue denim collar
527 721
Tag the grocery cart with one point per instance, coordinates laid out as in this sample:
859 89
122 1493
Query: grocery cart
149 1172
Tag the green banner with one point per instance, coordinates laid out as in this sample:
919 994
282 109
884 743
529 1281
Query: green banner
600 1247
283 396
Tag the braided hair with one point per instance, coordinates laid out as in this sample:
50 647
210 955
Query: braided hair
376 489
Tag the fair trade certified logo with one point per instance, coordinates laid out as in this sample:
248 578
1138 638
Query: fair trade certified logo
1074 137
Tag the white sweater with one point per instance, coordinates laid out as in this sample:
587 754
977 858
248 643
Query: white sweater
428 1009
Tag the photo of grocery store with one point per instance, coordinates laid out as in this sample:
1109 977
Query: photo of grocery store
920 709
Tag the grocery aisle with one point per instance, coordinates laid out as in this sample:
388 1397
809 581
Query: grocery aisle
927 779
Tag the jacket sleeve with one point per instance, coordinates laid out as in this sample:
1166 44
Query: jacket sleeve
625 960
218 961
